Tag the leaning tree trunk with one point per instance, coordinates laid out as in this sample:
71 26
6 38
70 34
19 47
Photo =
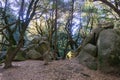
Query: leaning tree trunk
9 56
25 22
11 53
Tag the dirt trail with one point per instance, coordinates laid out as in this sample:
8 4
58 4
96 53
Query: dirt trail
56 70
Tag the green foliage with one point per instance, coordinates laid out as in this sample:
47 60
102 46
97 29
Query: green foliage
62 42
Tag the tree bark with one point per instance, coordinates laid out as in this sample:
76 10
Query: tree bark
11 53
13 49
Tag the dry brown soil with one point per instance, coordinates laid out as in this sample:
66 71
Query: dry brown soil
56 70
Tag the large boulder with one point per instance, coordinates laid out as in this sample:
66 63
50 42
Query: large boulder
101 48
33 54
86 56
109 50
42 47
91 49
20 56
90 39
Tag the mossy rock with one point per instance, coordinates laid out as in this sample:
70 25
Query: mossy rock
21 56
42 48
87 60
33 54
108 50
92 65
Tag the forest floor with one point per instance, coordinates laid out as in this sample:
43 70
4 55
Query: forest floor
56 70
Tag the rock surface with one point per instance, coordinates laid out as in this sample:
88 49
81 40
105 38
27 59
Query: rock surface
86 56
33 54
39 48
21 56
108 50
101 50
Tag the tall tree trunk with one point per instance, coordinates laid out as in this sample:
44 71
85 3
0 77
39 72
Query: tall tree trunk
55 24
9 56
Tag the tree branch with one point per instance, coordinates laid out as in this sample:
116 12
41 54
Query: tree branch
111 6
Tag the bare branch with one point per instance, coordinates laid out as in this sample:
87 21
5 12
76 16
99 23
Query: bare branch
111 6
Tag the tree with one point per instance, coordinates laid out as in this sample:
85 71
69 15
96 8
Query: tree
69 29
21 25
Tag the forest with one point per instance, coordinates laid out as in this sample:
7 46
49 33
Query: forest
59 39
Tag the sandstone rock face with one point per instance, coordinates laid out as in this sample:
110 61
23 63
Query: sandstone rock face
108 50
86 56
20 56
42 47
90 49
104 52
33 54
39 49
